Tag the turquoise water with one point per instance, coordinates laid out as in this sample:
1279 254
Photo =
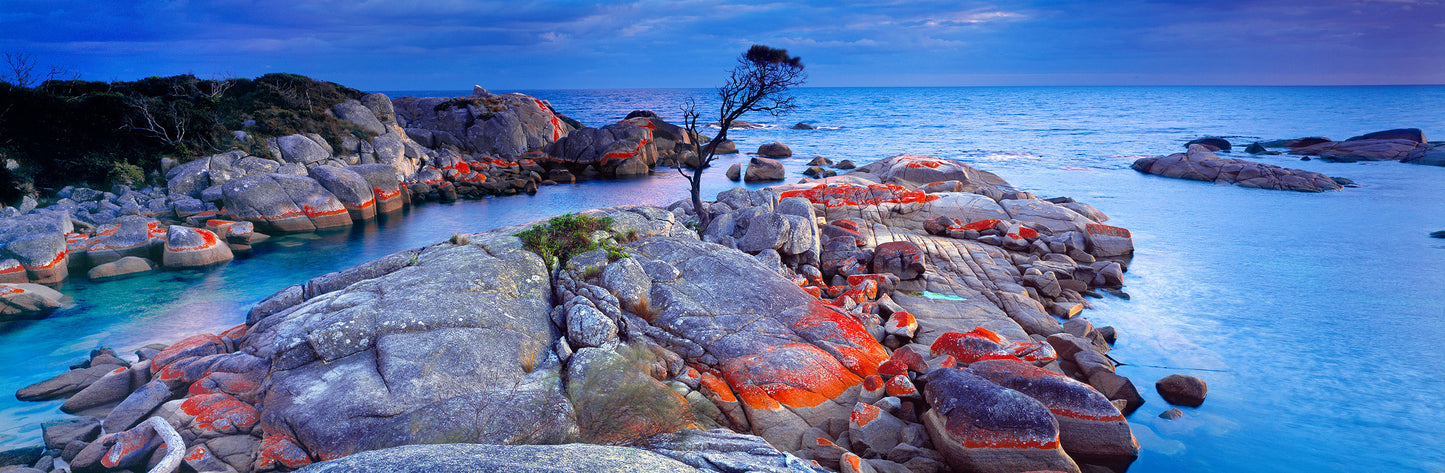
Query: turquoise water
1313 317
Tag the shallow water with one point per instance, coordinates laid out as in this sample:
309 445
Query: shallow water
1311 316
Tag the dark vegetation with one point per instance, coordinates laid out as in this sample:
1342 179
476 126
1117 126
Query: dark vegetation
759 83
558 239
86 132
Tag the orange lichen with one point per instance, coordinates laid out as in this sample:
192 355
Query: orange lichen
795 374
853 195
208 240
718 387
981 225
863 414
1106 230
901 386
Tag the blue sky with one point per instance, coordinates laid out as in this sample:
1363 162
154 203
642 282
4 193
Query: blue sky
452 44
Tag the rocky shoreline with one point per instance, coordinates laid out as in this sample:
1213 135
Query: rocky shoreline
876 321
203 212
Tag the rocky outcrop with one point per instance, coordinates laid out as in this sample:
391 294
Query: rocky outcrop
775 150
1365 150
824 340
284 203
1200 164
1182 389
19 300
506 126
621 149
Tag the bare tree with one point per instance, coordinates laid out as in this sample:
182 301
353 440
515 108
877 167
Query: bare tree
157 118
759 83
20 69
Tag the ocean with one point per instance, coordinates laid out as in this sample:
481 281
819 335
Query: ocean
1313 317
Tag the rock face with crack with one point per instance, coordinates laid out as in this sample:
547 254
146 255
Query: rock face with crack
397 359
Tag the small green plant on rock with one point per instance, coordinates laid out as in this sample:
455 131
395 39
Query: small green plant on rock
560 238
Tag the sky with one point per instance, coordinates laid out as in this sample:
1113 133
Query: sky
453 44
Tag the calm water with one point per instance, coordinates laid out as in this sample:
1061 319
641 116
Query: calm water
1314 318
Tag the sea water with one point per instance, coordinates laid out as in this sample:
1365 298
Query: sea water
1313 317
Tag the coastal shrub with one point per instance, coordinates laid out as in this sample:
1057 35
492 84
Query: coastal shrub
617 403
75 131
614 254
561 237
125 173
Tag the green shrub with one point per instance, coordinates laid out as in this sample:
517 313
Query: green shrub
560 238
126 173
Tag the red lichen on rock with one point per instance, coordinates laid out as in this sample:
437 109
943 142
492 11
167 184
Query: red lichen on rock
844 337
1106 230
718 387
385 194
220 413
852 195
863 414
281 450
901 386
193 346
795 374
981 225
967 347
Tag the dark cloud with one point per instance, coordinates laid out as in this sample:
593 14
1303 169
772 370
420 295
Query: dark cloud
451 44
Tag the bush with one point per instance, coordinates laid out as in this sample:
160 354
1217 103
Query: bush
560 238
617 403
126 174
75 132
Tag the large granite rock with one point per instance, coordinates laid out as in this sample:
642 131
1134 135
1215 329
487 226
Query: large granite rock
25 299
350 188
500 125
386 186
405 356
194 248
761 169
980 426
620 149
360 115
1202 165
284 203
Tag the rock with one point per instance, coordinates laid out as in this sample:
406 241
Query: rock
21 456
418 375
60 432
588 327
512 458
980 426
818 172
845 164
820 161
111 388
11 271
632 285
1182 389
1256 148
762 169
298 149
631 167
1407 134
359 115
1091 429
137 405
385 186
29 299
901 258
640 113
1212 143
1202 165
872 428
1171 414
1437 234
775 150
64 384
1117 388
193 248
1404 150
350 188
804 126
734 172
285 203
128 237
